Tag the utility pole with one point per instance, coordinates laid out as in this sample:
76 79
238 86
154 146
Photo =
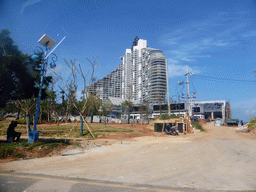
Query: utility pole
168 94
188 85
188 95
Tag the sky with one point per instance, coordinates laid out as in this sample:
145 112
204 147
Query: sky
214 39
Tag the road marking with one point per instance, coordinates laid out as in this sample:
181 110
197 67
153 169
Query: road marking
89 183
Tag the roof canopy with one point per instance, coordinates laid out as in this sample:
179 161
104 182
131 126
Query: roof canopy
119 101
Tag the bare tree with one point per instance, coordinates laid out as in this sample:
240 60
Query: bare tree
71 86
26 105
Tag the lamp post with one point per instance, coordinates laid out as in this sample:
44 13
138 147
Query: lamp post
48 43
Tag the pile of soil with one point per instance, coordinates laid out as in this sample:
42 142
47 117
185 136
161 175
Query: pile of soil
253 131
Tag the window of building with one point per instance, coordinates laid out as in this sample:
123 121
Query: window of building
196 109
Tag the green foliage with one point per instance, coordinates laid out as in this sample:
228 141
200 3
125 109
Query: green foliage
51 144
16 81
126 103
10 149
23 121
10 107
18 155
126 107
106 108
77 144
71 130
19 78
50 121
197 126
144 110
93 104
252 124
5 153
166 116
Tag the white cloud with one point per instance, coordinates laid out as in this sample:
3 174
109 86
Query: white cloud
200 39
180 70
28 3
211 42
181 55
249 34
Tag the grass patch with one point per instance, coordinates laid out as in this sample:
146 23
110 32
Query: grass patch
18 155
4 126
8 149
71 130
197 126
51 144
12 149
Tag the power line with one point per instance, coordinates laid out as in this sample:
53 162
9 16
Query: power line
222 79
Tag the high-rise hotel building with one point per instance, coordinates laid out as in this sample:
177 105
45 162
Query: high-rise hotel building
142 76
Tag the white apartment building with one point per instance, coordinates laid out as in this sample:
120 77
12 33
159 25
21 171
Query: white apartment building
142 76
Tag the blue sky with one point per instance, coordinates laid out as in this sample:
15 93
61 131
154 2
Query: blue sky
216 40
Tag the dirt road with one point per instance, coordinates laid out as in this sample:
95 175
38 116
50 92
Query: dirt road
218 159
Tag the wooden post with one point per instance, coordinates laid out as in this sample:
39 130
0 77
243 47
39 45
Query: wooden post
28 124
163 127
88 127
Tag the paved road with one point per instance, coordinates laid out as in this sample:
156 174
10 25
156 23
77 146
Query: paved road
219 159
29 183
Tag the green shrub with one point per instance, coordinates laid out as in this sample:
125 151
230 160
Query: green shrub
46 121
23 121
252 123
51 144
5 152
10 149
166 116
197 126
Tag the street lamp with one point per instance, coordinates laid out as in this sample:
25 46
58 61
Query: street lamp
48 43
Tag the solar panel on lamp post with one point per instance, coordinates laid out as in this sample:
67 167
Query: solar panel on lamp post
48 43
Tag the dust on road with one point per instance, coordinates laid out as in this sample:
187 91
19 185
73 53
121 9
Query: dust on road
218 159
